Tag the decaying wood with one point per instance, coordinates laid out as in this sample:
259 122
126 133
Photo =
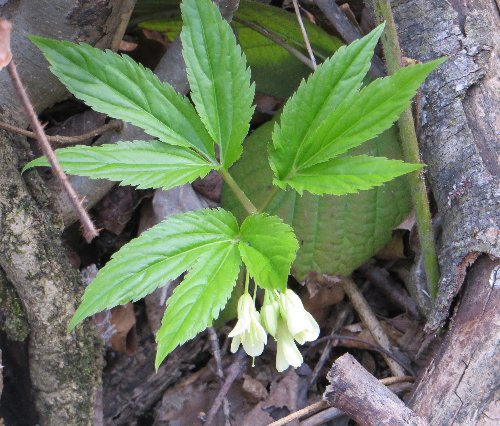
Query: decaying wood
459 141
463 380
64 368
356 392
459 132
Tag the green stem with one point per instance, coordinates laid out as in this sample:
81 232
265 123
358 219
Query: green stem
244 200
393 57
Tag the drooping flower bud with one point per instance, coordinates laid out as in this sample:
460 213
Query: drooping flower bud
248 330
301 324
269 314
287 352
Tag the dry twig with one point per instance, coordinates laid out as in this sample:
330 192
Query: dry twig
234 371
214 342
370 320
89 230
396 295
335 412
310 409
278 40
347 30
371 346
340 320
116 125
304 33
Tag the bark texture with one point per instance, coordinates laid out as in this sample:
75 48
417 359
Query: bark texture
459 129
356 392
462 383
64 368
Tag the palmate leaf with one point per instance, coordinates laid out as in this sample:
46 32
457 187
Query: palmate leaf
335 80
151 164
118 86
198 300
302 141
268 247
163 253
346 175
371 111
218 77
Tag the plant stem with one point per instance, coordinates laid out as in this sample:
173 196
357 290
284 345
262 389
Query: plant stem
393 57
244 200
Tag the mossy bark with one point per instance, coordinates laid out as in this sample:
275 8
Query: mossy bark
14 321
64 368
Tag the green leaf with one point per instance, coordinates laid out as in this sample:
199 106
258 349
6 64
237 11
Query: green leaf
345 175
336 234
373 110
274 69
118 86
268 247
218 76
151 164
197 301
334 81
160 254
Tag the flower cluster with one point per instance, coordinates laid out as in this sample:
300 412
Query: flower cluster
283 316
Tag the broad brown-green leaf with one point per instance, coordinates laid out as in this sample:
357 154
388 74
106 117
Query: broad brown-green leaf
335 234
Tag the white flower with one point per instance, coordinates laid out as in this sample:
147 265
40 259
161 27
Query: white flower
269 314
287 353
301 324
248 330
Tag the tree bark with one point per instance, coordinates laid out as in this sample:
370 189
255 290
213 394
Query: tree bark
459 142
64 368
356 392
458 129
462 382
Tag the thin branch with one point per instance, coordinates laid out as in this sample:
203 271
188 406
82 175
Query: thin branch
115 125
370 320
310 409
418 189
214 342
89 230
347 30
304 33
381 279
340 320
234 371
400 379
371 346
276 39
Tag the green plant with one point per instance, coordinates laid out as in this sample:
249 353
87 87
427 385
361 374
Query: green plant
330 114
